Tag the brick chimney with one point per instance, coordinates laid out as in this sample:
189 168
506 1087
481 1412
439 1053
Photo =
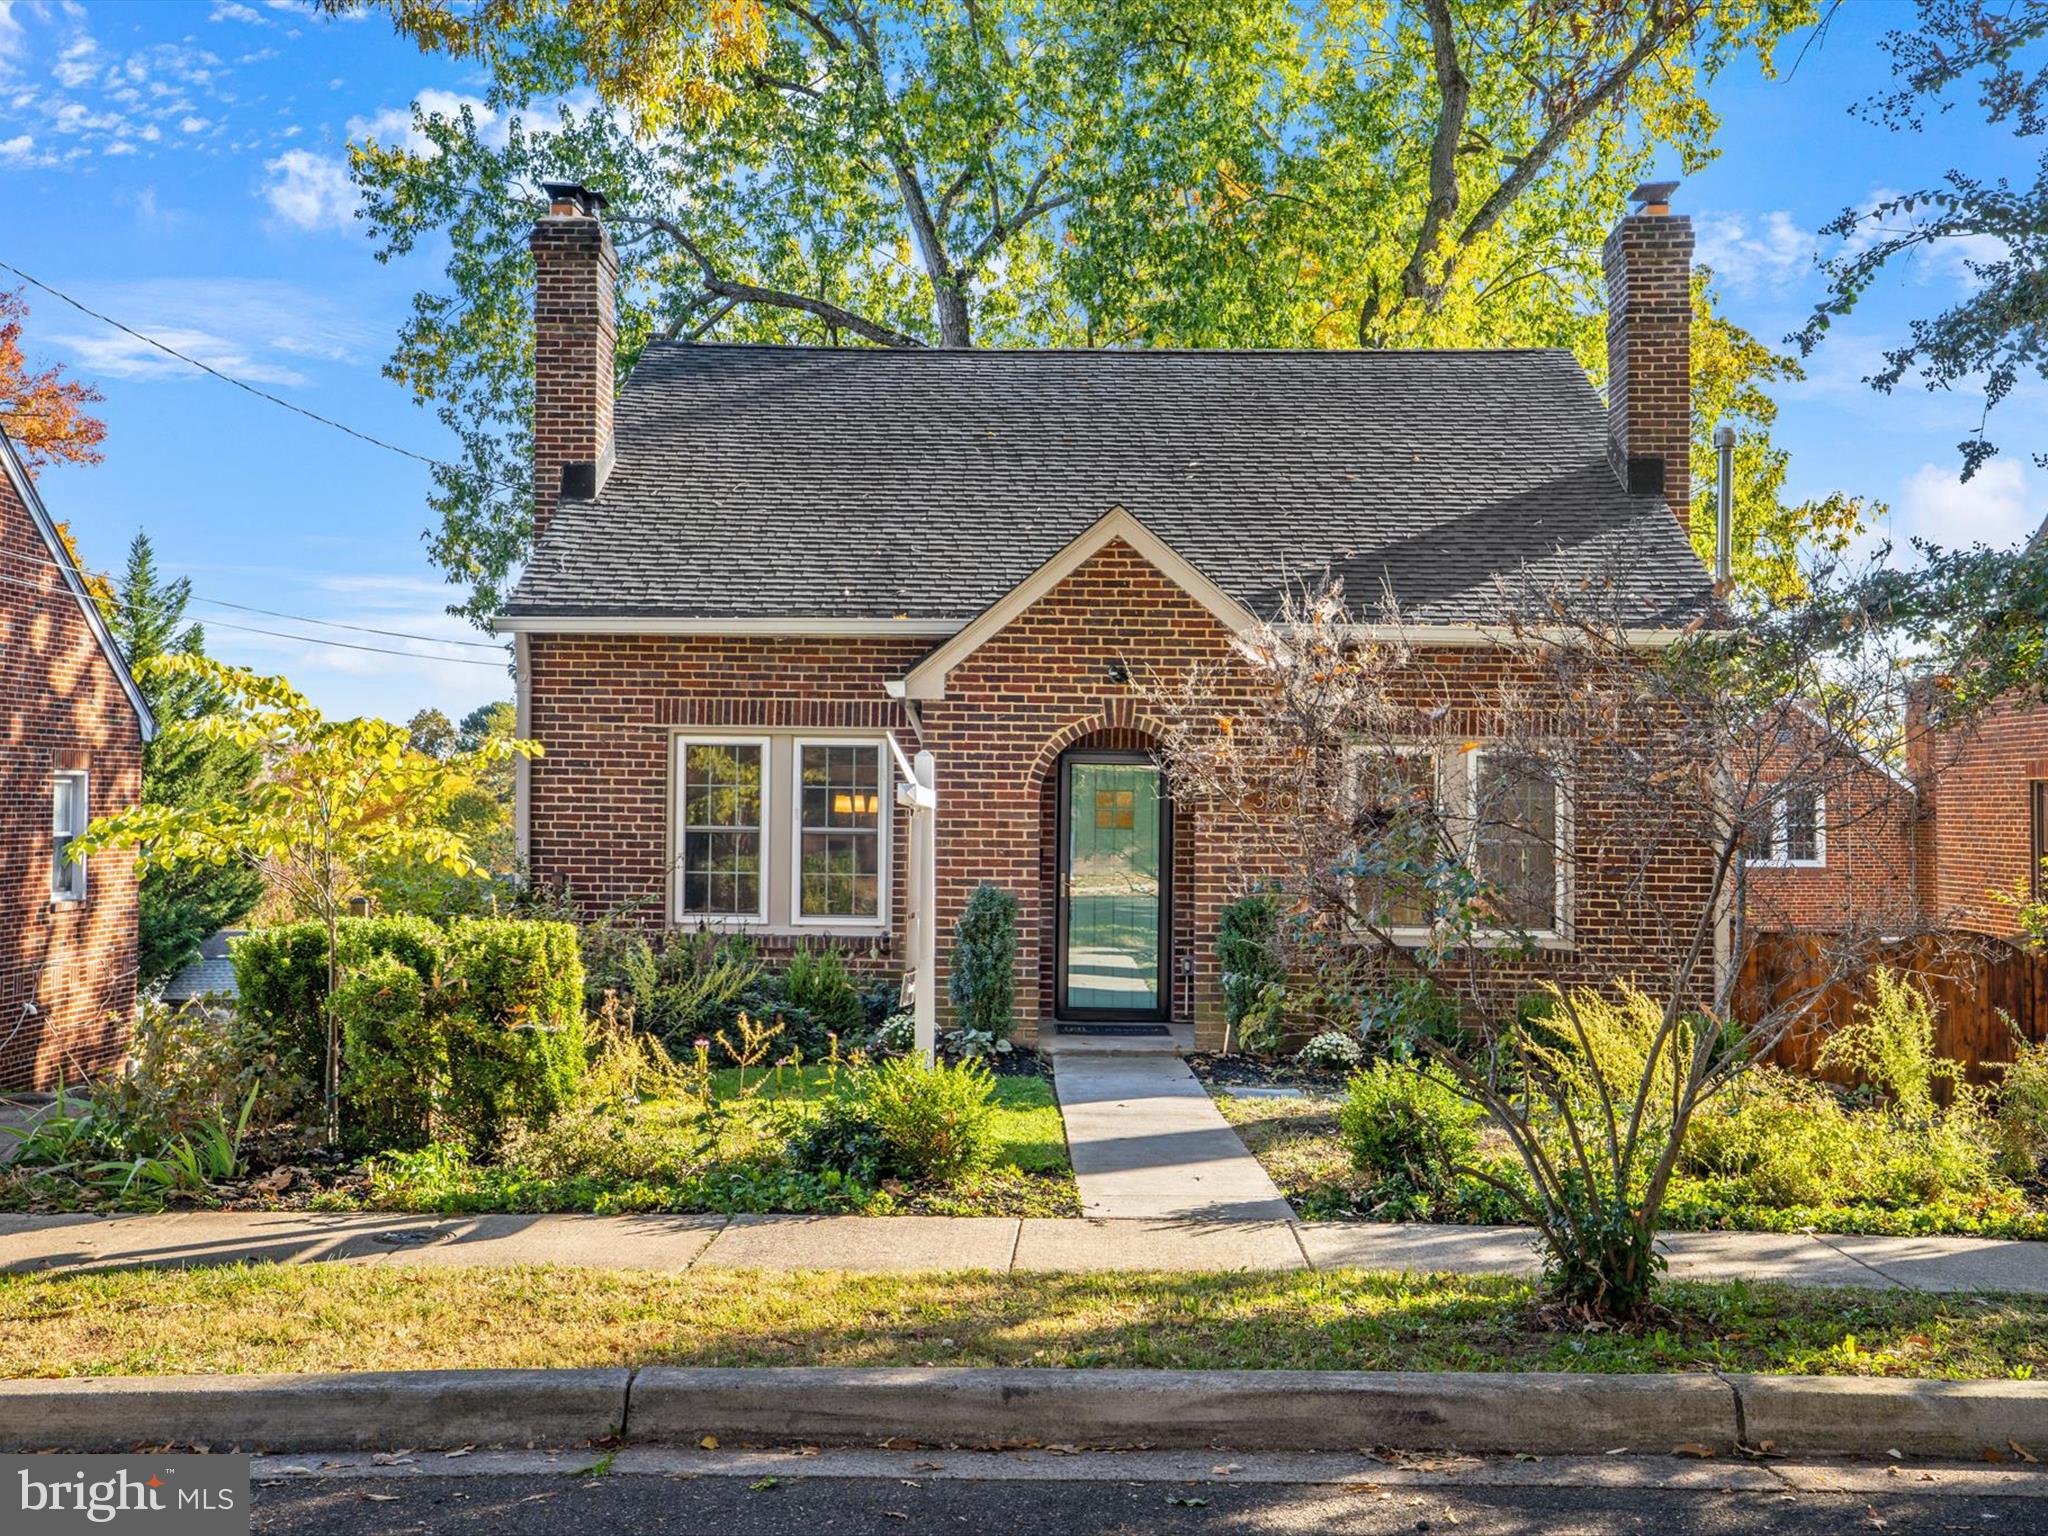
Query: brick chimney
575 324
1648 259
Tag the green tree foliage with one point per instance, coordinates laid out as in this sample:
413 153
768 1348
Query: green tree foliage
179 907
1041 172
982 979
481 813
1994 330
337 803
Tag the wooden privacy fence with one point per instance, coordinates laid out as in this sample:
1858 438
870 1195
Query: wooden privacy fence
1977 984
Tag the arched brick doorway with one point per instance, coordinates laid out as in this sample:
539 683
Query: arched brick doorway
1076 998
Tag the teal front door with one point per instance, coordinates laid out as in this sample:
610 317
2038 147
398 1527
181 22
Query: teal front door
1113 888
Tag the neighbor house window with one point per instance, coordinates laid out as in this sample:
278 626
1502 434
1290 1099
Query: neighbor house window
1397 796
1518 840
68 816
1791 830
724 832
2037 839
838 830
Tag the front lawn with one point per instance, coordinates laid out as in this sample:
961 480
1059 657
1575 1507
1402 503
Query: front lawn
335 1317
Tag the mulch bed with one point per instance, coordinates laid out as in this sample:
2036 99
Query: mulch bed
1250 1072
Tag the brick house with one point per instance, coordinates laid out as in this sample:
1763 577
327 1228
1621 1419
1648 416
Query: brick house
1983 828
761 572
75 727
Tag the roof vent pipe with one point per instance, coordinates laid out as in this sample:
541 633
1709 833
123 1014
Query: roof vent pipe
1724 508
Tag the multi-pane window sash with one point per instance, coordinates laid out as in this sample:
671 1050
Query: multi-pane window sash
839 830
724 829
68 816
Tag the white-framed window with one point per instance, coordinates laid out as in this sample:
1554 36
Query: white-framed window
840 841
1521 839
70 810
1791 832
722 827
1397 792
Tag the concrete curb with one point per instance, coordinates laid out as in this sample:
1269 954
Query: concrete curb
1241 1410
367 1410
1539 1412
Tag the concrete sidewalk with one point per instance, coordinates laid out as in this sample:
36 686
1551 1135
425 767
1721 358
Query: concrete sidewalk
1148 1143
30 1244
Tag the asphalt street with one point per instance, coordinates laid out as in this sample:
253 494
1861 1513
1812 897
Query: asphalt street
852 1494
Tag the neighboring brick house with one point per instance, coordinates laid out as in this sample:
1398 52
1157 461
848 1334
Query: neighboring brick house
1983 831
1838 850
761 569
72 750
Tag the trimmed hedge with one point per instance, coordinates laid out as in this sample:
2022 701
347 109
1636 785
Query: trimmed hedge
465 1030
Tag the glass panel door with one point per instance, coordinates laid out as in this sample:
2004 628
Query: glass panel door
1113 889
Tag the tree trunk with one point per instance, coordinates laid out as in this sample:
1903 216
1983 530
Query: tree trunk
333 1084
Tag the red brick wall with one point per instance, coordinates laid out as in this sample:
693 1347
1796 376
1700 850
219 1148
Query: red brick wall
604 708
65 708
1974 785
575 326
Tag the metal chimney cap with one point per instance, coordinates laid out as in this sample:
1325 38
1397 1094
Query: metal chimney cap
574 199
1653 195
1724 436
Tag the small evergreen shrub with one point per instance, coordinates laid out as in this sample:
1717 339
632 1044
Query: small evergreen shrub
983 982
1409 1011
1254 979
844 1138
1410 1127
938 1122
820 999
514 1025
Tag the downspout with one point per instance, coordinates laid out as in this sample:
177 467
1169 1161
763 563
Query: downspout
522 767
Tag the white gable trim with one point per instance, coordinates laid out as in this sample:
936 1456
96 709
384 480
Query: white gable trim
927 680
25 488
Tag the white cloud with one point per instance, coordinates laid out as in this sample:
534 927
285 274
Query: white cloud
121 356
1773 252
259 329
228 10
13 42
309 192
1995 507
20 147
78 63
193 124
394 126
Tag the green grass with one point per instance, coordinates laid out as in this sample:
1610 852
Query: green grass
332 1317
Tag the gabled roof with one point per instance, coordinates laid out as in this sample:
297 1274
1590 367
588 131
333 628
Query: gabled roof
781 486
25 488
927 680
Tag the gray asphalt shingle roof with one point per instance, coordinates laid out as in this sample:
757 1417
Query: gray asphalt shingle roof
762 482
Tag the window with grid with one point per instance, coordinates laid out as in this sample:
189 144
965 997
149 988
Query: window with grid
839 830
1790 828
724 831
1397 800
1519 839
69 812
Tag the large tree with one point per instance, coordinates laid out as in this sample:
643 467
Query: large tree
180 905
1042 172
48 416
1995 332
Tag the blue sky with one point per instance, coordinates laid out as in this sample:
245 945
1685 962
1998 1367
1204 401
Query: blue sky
179 166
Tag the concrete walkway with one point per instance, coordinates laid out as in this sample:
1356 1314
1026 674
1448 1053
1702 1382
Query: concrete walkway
1147 1143
31 1244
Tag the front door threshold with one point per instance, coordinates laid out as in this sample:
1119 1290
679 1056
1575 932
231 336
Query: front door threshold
1093 1027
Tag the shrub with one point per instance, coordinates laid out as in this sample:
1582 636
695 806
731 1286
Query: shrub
1890 1042
1254 979
844 1138
188 1068
823 999
394 1056
2023 1110
1332 1049
983 983
938 1122
281 981
514 1024
1408 1011
896 1036
1409 1126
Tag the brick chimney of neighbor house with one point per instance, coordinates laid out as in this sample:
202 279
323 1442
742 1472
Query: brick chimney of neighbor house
575 324
1648 259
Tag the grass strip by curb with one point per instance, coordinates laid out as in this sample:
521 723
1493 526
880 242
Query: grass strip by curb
269 1318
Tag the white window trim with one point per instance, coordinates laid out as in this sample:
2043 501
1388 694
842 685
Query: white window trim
1779 841
885 790
680 750
1559 937
83 780
1406 937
